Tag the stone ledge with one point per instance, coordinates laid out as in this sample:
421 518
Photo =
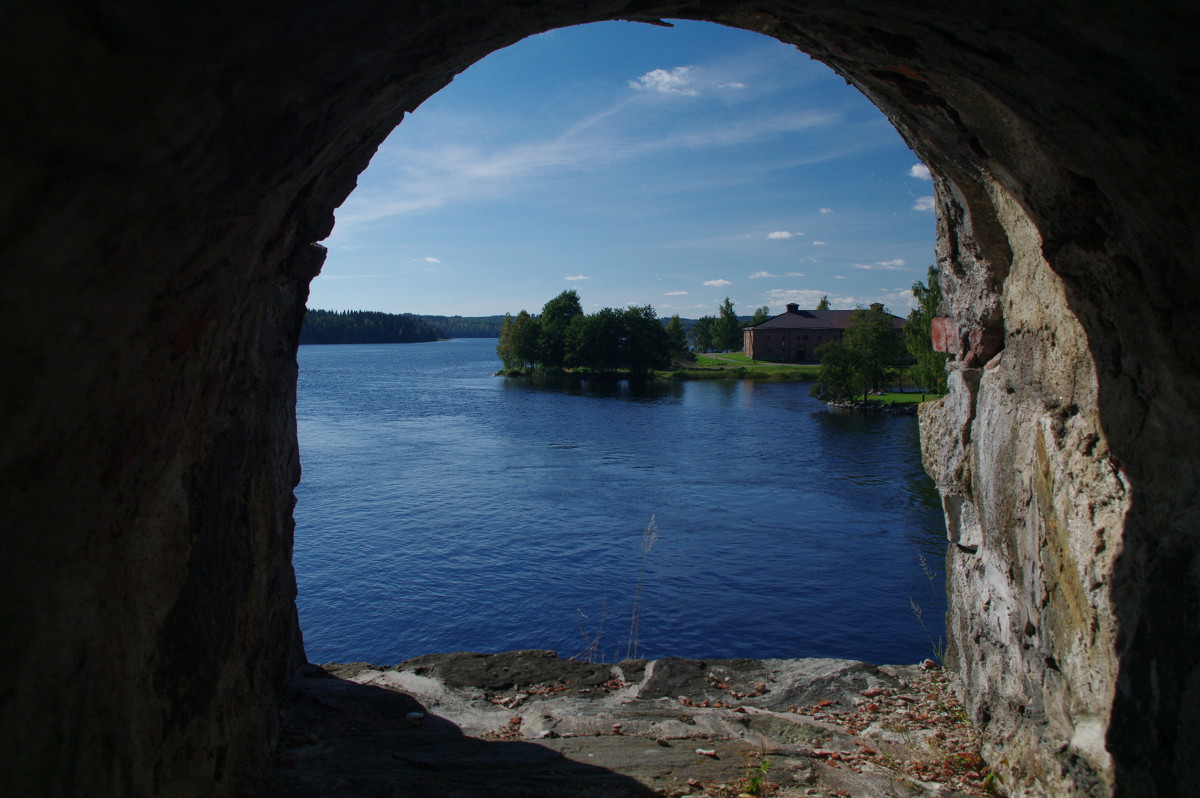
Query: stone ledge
528 723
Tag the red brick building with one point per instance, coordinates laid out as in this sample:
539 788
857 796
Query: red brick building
795 335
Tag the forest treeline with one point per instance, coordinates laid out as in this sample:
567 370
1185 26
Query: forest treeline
371 327
364 327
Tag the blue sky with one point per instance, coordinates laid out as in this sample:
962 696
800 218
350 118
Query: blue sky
637 165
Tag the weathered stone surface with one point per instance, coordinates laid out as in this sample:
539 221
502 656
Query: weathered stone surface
168 170
680 727
1030 502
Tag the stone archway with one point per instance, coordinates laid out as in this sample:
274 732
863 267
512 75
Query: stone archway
170 170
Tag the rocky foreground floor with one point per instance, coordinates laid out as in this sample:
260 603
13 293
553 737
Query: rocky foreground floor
526 723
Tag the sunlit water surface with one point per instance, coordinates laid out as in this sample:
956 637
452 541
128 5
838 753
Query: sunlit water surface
445 509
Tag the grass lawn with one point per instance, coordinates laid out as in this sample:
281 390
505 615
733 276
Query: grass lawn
725 357
736 366
735 360
904 398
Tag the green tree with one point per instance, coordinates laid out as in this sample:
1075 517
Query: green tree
839 377
823 304
727 335
645 345
506 349
929 367
860 361
676 337
553 322
704 333
873 345
525 334
594 341
760 315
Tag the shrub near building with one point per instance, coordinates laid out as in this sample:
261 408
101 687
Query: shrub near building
859 362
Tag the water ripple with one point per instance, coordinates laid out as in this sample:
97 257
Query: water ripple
444 509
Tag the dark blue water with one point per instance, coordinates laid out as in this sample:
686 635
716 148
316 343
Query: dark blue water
444 509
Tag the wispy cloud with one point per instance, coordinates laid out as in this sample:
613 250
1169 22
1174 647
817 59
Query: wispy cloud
760 275
923 204
819 243
676 293
419 178
839 277
896 265
920 171
426 260
783 235
897 301
827 210
796 274
717 283
577 277
661 81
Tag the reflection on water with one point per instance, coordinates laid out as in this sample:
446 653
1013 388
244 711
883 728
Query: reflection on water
446 509
652 390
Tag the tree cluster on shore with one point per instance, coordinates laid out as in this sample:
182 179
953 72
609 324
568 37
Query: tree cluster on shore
562 337
872 352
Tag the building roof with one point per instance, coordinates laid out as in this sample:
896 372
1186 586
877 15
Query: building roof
796 319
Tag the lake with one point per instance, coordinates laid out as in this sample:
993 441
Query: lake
445 509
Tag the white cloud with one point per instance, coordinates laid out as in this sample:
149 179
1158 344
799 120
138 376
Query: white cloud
676 293
818 243
923 204
920 171
887 265
804 297
781 234
827 210
426 260
717 283
761 275
677 81
733 85
796 274
577 277
839 277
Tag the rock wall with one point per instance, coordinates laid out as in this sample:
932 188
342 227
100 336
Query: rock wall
169 169
1034 512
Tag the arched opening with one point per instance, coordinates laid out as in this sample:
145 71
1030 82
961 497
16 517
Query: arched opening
448 514
166 195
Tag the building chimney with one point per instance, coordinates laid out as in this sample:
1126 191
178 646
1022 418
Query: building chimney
793 307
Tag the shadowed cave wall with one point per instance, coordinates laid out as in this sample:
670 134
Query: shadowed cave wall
169 168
